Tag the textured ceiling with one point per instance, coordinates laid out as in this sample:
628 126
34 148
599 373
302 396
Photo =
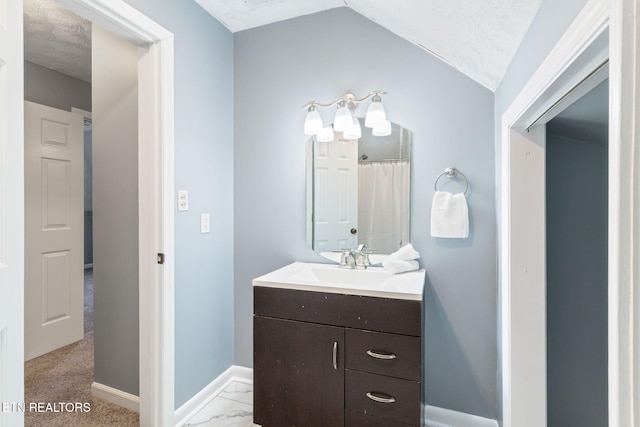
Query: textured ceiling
477 37
56 38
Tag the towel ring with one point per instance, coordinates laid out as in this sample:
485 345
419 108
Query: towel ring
452 173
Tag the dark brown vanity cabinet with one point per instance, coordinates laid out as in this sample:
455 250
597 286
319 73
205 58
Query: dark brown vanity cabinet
323 359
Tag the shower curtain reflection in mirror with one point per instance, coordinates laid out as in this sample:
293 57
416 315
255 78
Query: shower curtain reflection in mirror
383 204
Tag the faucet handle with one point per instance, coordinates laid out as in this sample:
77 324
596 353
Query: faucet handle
346 259
361 258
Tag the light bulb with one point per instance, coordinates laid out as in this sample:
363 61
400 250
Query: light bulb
325 135
343 118
375 113
383 129
354 131
313 121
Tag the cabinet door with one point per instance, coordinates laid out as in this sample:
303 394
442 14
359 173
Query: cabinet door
298 382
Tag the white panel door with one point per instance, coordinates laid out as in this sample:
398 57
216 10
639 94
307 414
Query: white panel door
54 225
336 195
11 212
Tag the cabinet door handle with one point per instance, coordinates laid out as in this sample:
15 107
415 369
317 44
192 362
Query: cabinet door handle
383 356
335 355
382 398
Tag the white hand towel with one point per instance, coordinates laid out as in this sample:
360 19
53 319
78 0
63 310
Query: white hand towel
407 252
395 266
402 260
449 215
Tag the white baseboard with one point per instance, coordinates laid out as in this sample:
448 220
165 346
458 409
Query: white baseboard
242 374
434 416
115 396
204 396
441 417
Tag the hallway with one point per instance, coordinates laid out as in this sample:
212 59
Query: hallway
65 376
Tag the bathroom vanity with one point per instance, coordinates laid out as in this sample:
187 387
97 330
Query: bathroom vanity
337 347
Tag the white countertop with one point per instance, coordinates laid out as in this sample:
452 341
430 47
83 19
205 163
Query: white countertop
374 281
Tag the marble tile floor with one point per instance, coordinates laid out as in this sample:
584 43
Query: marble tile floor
233 407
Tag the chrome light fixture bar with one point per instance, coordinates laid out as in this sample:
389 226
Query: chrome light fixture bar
344 121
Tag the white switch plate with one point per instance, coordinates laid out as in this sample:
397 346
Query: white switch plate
183 200
204 223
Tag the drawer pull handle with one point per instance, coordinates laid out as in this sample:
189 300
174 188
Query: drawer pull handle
384 398
335 355
382 356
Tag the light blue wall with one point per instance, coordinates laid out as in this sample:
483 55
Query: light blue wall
203 165
278 68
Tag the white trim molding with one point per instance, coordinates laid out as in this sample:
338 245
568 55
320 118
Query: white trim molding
582 49
214 388
433 416
624 215
441 417
115 396
155 189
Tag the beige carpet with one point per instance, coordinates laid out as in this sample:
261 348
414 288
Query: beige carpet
64 377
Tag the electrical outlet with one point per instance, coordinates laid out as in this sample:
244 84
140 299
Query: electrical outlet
183 200
205 223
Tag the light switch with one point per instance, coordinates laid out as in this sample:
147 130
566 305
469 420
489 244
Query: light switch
204 223
183 200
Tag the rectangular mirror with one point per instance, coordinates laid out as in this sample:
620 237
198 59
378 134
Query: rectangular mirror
358 192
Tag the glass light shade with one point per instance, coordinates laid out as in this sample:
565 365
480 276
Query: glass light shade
313 122
383 129
354 131
326 134
343 119
375 114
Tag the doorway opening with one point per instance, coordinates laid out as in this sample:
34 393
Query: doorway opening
97 71
155 186
565 75
577 262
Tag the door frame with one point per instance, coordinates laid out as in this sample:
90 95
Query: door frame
155 203
522 245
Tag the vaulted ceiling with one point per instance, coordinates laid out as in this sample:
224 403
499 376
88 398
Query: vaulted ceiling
477 37
56 38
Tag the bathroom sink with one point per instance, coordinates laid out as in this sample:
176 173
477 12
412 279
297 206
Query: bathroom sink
374 281
340 276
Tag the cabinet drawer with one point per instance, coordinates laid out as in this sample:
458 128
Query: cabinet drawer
385 354
401 398
351 311
353 419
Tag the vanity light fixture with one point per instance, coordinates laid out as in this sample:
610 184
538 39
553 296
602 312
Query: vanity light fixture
382 129
313 121
354 131
375 113
326 134
344 120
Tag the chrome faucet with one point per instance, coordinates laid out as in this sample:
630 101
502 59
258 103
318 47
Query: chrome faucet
355 258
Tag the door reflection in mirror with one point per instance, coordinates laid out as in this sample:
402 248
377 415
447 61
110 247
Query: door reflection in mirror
358 192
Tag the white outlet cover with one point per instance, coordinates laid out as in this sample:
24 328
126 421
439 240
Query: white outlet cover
205 223
183 200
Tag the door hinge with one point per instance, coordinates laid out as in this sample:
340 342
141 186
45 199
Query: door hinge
160 258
